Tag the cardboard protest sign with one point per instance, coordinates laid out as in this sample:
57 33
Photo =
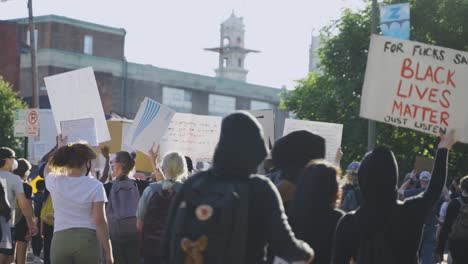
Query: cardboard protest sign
193 135
395 20
423 164
266 118
332 133
149 126
417 86
74 95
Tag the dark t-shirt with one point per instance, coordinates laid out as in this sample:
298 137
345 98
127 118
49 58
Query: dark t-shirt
27 190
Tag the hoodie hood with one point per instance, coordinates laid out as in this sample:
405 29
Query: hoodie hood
292 152
241 147
378 177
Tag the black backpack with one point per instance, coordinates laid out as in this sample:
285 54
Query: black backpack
211 221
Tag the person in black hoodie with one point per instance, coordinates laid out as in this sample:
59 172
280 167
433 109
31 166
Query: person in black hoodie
458 246
240 150
291 154
383 230
313 216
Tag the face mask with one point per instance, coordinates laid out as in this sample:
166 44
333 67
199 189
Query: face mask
14 166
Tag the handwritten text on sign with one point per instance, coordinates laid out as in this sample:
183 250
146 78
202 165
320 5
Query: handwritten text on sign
417 86
193 135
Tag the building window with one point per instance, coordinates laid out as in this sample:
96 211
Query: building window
240 63
259 105
221 105
88 45
177 99
28 38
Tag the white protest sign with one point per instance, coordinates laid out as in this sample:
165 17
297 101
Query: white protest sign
193 135
267 119
80 130
74 95
332 133
418 86
150 124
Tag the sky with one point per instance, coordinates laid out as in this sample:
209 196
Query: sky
173 33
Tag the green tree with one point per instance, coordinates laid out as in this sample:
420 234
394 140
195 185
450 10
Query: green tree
9 102
334 94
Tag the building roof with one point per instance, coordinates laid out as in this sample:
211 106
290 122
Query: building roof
216 85
71 21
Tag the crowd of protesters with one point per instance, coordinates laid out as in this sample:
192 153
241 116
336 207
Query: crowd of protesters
302 211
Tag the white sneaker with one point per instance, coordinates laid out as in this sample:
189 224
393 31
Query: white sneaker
38 260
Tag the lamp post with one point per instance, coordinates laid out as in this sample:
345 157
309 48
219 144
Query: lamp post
371 133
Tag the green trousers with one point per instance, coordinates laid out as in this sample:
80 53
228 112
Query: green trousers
75 246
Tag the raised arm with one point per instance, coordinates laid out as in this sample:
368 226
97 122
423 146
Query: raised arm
157 171
105 173
439 172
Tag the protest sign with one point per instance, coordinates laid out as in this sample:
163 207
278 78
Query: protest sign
395 20
80 130
415 85
74 95
193 135
150 124
332 133
423 164
266 118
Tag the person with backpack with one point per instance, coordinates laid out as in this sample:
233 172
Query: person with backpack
383 230
227 214
313 216
351 196
22 236
155 203
291 154
123 197
78 200
455 228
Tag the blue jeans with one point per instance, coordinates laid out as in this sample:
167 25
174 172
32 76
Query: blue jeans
426 250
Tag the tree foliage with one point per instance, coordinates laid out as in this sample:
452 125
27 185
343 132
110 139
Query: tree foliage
334 94
9 102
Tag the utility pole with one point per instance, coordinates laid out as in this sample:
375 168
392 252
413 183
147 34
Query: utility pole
371 133
32 38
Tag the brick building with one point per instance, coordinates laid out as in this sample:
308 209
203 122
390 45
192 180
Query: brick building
65 44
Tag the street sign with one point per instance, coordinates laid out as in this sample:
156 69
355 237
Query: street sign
26 123
32 124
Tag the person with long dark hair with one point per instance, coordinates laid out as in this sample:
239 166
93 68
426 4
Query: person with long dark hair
383 230
313 215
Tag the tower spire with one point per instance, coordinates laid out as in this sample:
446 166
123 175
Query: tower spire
232 51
